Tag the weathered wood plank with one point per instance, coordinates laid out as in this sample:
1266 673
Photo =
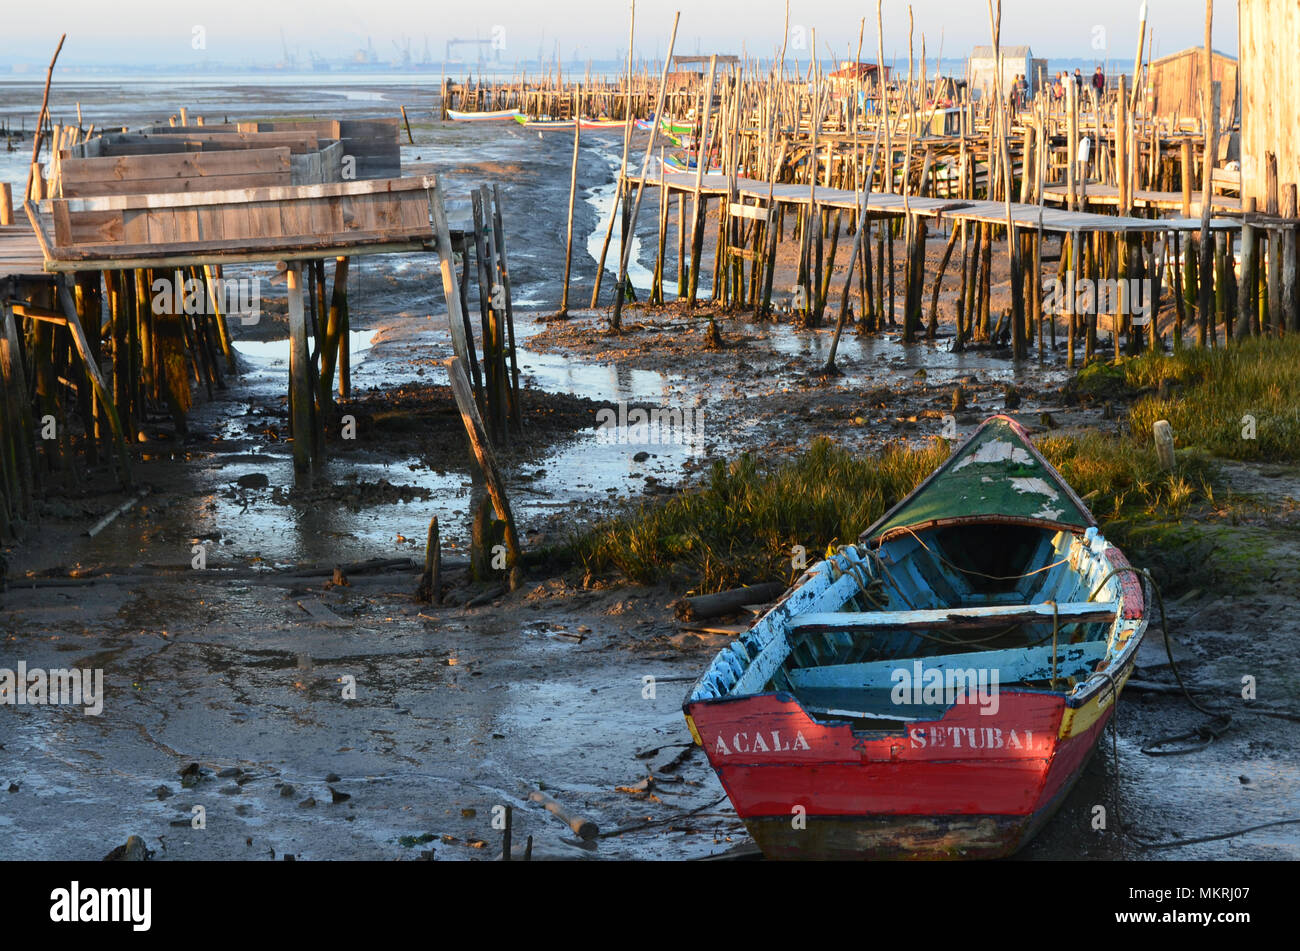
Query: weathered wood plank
1067 613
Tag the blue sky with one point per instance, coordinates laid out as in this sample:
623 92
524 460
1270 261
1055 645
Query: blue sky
138 32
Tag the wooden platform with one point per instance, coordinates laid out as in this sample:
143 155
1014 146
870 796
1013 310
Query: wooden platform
1108 195
20 252
1054 220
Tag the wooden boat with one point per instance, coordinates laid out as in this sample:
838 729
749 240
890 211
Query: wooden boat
495 115
677 128
547 123
672 162
935 690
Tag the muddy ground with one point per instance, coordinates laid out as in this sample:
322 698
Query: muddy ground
231 687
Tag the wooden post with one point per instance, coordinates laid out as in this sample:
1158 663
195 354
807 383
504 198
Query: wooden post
6 203
503 278
701 204
1211 92
430 587
1249 298
336 344
1287 243
625 252
573 191
456 319
1164 439
300 391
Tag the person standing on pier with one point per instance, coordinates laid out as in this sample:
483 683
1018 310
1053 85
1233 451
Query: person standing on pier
1099 83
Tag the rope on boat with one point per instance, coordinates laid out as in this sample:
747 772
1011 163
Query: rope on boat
1220 721
972 571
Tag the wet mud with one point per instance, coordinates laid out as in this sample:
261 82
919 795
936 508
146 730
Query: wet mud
339 721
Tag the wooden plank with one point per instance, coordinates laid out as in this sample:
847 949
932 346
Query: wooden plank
174 165
254 249
239 255
161 143
163 186
1016 665
238 196
135 227
752 212
1067 613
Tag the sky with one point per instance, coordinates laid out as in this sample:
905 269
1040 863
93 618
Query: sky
144 32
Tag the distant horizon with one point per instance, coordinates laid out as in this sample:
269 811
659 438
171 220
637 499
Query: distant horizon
256 34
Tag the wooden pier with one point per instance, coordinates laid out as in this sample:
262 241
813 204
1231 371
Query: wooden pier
117 290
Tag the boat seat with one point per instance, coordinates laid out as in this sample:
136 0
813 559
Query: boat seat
867 690
1072 612
1014 665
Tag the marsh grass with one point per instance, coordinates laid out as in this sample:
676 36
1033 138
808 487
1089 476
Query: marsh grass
1217 393
742 524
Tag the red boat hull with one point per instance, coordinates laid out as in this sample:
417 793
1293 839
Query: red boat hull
964 786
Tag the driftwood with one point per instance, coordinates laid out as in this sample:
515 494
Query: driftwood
727 602
108 519
583 828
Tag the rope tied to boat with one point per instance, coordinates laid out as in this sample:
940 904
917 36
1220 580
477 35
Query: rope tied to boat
1220 721
979 574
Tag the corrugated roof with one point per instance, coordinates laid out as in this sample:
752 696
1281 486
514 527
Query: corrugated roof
1008 52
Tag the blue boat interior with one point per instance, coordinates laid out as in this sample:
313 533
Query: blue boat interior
1030 606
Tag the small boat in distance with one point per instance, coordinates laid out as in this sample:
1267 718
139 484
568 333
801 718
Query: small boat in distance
935 690
550 124
677 163
495 115
677 128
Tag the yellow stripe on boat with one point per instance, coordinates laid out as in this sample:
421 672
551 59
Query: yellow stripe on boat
1078 720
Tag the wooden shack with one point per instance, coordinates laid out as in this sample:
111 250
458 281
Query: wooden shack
981 69
1177 81
845 79
1269 76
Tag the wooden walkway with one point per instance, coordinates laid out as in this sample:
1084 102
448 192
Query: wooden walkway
20 252
1056 220
1108 195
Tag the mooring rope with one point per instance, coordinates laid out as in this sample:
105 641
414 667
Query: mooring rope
1209 731
980 574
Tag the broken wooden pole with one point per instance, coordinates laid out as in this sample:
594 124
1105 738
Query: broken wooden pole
584 828
482 448
430 587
